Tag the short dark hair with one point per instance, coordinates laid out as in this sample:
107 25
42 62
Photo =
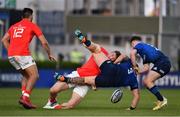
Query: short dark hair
118 53
135 38
27 12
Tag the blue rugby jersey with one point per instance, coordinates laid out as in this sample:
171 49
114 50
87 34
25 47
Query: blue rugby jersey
149 53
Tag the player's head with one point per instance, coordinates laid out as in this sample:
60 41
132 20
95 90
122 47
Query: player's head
114 55
134 40
27 13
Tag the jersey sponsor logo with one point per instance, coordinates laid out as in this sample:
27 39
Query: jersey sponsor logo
130 70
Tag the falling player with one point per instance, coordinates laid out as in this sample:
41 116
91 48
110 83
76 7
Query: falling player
90 68
112 75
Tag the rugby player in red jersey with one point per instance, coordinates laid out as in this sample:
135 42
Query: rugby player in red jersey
111 75
90 68
17 41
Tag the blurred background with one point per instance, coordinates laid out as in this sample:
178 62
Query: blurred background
110 23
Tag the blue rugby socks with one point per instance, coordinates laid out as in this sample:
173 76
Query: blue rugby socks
154 90
82 38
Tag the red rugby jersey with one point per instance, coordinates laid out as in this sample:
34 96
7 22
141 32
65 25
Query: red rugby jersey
21 35
90 68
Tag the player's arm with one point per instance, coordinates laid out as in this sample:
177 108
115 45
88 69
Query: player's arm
43 41
46 47
5 40
133 57
120 58
145 68
133 60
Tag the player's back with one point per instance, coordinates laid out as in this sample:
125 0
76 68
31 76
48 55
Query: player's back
148 52
21 35
125 72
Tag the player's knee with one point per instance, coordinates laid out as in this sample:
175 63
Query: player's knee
137 96
35 76
148 82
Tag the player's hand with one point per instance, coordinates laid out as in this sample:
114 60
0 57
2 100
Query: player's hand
52 58
136 69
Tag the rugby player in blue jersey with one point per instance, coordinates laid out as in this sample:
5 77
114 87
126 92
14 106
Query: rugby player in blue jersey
162 65
111 75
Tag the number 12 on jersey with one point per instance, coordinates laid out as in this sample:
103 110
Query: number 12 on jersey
18 32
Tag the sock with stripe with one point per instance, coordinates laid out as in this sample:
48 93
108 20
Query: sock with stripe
154 90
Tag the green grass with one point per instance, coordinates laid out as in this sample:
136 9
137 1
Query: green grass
96 103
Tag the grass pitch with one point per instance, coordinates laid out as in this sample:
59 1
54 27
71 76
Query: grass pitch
96 103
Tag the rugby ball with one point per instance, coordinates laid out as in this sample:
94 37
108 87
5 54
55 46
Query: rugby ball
116 96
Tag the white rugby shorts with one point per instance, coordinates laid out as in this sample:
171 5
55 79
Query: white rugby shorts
21 62
81 90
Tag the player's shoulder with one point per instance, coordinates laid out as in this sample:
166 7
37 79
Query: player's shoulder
140 45
12 26
34 25
19 23
30 23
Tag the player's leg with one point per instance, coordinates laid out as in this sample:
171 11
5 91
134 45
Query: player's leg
78 94
99 56
23 84
90 80
75 100
16 65
160 69
32 74
94 48
19 63
30 70
23 81
135 100
54 90
151 77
